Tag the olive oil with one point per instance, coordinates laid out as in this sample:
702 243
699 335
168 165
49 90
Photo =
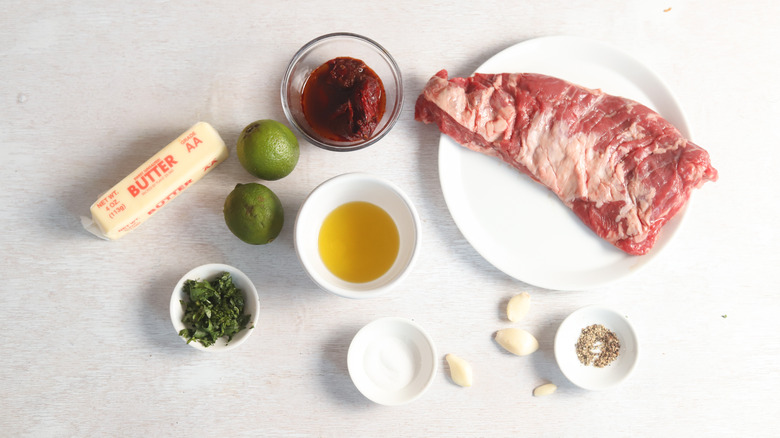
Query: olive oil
358 242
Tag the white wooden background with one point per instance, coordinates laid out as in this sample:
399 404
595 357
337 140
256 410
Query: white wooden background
89 90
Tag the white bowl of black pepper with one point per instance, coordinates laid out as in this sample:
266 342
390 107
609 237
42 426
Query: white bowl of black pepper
596 347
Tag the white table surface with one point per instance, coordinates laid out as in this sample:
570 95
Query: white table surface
92 89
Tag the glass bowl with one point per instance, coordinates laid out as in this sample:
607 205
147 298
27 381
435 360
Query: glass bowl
321 50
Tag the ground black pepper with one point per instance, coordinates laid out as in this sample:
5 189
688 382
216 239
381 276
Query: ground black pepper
597 346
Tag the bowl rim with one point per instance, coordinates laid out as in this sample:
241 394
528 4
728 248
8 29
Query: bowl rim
393 324
343 146
599 313
208 271
340 291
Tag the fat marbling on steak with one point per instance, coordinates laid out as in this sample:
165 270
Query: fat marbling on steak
623 169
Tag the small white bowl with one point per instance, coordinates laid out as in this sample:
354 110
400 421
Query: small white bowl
207 273
341 190
392 361
588 376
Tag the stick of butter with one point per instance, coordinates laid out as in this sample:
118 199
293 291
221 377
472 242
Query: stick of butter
156 182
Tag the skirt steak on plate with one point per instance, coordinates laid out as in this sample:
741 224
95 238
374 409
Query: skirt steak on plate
622 168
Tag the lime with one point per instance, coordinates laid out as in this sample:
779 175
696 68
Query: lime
268 149
254 213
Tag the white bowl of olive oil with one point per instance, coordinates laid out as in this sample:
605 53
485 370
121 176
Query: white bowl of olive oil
357 235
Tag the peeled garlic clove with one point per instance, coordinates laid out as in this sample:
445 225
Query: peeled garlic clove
546 389
518 306
517 341
460 370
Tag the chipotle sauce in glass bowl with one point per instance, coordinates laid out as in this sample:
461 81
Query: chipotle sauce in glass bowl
342 92
343 100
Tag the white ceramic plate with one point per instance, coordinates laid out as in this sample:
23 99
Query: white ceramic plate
518 225
590 377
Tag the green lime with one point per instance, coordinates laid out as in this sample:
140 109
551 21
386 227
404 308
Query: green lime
268 149
254 213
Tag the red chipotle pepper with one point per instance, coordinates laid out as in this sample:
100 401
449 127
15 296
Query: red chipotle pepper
343 100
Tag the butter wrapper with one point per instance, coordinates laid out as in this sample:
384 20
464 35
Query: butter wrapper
156 182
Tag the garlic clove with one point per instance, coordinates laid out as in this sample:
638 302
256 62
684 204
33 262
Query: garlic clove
517 341
518 306
460 370
546 389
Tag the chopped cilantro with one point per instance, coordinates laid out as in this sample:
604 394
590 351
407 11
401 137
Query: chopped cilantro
215 309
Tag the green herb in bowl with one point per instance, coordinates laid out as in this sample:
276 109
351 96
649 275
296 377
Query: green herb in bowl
215 309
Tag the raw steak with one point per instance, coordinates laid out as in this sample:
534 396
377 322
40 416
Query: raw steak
622 168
